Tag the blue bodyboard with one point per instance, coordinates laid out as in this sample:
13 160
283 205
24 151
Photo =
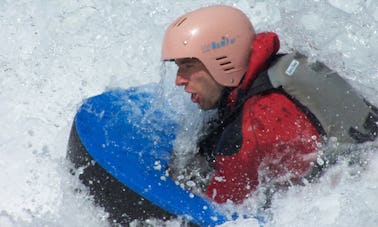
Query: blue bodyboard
129 134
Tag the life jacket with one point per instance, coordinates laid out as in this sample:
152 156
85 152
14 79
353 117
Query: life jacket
331 105
334 107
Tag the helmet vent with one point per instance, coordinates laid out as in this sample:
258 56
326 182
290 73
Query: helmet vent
230 68
220 58
180 21
225 63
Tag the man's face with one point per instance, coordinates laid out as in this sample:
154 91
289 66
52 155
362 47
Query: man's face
198 82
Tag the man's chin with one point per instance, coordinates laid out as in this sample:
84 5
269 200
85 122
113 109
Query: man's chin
205 107
201 107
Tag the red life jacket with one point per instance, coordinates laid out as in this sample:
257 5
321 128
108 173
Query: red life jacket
270 138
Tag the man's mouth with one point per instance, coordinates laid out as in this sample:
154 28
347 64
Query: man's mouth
195 97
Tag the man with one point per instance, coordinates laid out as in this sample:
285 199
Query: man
262 134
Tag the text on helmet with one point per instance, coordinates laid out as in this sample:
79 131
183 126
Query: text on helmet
218 44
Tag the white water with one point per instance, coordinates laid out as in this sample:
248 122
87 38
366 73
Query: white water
55 53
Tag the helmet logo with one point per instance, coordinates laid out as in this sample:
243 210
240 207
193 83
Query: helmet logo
218 44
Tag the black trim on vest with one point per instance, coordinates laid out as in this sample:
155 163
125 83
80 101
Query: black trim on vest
224 136
370 125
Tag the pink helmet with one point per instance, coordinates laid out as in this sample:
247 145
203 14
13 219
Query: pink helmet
219 36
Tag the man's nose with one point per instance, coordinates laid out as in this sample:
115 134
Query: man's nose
181 80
